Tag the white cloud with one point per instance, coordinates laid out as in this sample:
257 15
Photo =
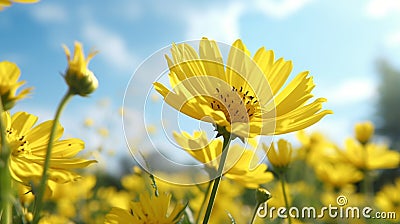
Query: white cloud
280 9
112 46
382 8
214 24
335 128
393 39
129 10
351 91
50 13
221 22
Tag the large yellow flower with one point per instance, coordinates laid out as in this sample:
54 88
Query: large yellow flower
241 164
147 210
6 3
245 96
9 75
28 150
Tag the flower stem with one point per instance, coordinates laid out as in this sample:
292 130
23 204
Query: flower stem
42 187
367 182
367 186
5 178
283 183
227 140
204 201
253 218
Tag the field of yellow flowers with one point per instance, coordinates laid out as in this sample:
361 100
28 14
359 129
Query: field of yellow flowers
46 177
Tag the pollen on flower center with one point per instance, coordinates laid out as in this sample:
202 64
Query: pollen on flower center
237 104
18 144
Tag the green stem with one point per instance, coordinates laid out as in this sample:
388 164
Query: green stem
367 182
227 140
5 178
367 186
204 201
283 182
42 187
253 218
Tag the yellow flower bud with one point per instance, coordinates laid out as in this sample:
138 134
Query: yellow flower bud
364 131
262 195
79 78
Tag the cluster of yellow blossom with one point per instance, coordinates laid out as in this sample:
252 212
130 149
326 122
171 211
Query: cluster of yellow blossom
34 159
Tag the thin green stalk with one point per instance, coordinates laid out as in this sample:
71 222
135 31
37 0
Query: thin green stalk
367 186
227 140
204 201
367 182
42 187
283 182
5 178
253 218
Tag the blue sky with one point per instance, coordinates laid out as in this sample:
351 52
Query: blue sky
337 41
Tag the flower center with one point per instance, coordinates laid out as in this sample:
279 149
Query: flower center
18 144
237 104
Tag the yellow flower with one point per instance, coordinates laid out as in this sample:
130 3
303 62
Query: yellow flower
67 196
7 3
364 131
338 174
54 219
78 77
280 157
245 96
310 140
369 157
147 210
316 148
27 214
28 150
388 199
134 182
241 164
113 197
9 75
103 132
89 122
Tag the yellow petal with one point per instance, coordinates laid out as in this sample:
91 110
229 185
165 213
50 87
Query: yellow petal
40 134
118 216
23 122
